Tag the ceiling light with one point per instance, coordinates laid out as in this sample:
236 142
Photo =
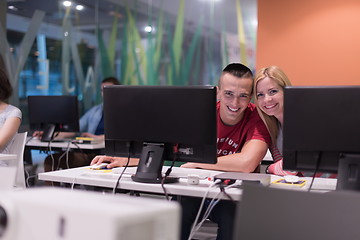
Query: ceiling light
148 29
67 3
79 7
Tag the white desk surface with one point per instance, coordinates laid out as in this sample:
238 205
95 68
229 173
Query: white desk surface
37 143
7 157
99 178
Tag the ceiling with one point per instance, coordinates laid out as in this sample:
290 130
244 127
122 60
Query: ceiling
223 11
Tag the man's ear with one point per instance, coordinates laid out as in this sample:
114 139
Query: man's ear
217 93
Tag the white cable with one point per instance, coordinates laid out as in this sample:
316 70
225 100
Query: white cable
201 206
67 155
52 161
210 207
73 183
27 177
59 160
52 158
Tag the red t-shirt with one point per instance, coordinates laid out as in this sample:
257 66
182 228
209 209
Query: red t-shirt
231 139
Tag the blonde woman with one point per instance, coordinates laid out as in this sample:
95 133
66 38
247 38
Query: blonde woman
269 98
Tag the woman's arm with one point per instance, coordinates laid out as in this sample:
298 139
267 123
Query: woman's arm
8 130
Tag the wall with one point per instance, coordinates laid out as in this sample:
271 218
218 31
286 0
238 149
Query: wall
316 42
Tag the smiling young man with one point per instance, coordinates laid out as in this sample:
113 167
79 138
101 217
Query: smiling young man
242 140
242 137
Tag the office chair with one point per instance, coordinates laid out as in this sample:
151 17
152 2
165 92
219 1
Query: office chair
17 148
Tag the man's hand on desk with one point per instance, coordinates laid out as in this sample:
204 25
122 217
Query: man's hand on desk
114 161
37 134
190 165
57 135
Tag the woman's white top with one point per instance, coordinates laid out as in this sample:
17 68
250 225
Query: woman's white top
9 112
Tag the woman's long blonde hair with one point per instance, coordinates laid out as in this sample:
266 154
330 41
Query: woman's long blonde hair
276 74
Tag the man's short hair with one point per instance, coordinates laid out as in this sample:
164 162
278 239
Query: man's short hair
112 80
238 70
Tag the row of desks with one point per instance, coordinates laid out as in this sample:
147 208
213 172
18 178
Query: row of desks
108 179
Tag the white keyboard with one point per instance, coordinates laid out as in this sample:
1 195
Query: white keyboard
176 172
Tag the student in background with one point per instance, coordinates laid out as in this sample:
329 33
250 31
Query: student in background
269 98
10 116
91 125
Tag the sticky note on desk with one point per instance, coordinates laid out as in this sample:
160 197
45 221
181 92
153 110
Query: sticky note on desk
282 182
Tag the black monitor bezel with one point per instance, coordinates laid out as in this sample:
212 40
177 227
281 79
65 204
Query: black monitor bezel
131 100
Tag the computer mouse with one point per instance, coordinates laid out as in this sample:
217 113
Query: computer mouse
291 178
99 166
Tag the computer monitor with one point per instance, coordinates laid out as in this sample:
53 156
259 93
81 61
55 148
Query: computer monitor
157 123
53 113
322 130
271 213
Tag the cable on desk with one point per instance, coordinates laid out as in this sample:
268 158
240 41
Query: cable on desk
222 189
67 155
73 183
52 160
316 169
77 146
27 141
129 146
168 171
29 177
201 206
52 157
211 205
59 160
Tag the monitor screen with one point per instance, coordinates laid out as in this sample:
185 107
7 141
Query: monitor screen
321 132
157 123
53 113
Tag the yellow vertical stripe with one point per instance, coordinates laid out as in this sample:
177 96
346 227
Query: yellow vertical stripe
241 34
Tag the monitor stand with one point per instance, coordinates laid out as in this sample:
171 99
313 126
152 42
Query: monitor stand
150 165
48 134
348 172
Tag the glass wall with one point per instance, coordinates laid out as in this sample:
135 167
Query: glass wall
68 47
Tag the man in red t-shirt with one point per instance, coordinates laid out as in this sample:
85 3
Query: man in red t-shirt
242 136
242 140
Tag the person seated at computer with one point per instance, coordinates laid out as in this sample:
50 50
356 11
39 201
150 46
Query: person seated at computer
269 98
91 125
242 143
10 116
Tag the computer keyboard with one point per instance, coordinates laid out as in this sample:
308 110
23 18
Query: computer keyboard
176 172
